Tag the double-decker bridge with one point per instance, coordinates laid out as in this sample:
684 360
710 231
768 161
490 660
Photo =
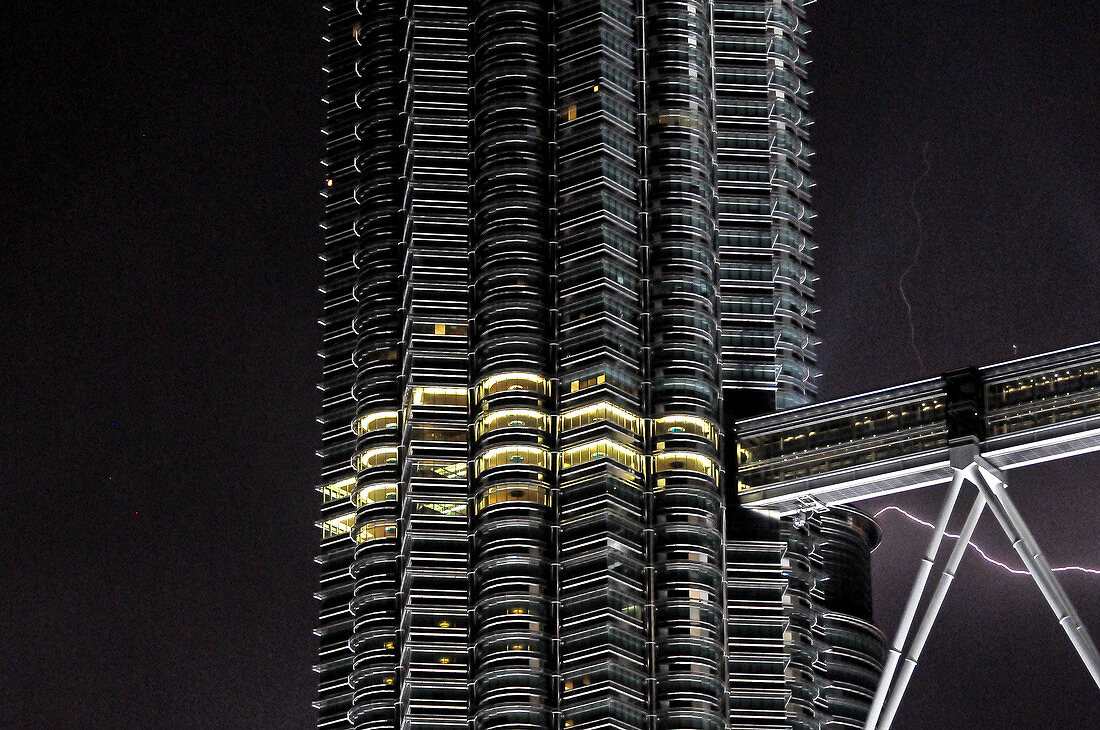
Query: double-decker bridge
968 426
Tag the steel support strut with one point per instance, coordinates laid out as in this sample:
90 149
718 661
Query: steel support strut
1025 544
931 612
915 595
971 467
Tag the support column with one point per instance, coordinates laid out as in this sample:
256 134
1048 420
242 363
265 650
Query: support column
933 610
1024 542
919 585
990 482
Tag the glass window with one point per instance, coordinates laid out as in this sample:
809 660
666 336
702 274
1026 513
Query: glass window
602 411
447 509
374 493
587 383
438 434
512 418
376 421
381 456
337 525
336 491
502 382
375 530
532 493
437 396
685 460
436 469
530 455
674 424
604 448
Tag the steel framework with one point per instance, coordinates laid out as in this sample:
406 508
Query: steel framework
969 467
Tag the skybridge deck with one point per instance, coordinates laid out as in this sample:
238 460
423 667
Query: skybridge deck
1021 412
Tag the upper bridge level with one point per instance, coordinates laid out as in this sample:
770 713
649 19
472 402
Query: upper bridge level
1020 412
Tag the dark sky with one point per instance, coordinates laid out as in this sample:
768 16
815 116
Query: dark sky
160 273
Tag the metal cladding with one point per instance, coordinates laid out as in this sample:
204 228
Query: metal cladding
563 239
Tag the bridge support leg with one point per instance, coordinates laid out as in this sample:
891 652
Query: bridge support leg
932 611
915 595
992 486
971 467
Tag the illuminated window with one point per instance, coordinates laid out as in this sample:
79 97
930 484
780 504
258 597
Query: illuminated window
337 526
512 418
675 424
437 469
516 381
375 531
685 460
587 383
371 458
436 396
603 411
532 493
376 421
374 493
532 455
439 329
337 490
603 448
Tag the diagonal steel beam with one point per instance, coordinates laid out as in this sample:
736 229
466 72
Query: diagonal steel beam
933 608
992 486
915 595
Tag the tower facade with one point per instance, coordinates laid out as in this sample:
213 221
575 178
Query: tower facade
564 240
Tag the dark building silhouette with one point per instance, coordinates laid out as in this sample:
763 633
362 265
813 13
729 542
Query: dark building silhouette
567 245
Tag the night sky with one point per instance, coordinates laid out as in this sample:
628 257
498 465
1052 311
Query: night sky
160 277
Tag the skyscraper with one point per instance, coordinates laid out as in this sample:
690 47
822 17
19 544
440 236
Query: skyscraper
563 241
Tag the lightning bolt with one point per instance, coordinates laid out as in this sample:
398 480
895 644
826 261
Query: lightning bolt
916 254
983 553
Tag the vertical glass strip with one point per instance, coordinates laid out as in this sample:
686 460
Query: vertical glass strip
378 325
341 179
687 550
603 658
433 590
512 462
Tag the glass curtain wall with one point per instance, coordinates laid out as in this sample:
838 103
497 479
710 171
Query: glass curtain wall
563 239
379 190
768 342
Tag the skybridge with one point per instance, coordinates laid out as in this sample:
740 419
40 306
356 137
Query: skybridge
1021 412
969 426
